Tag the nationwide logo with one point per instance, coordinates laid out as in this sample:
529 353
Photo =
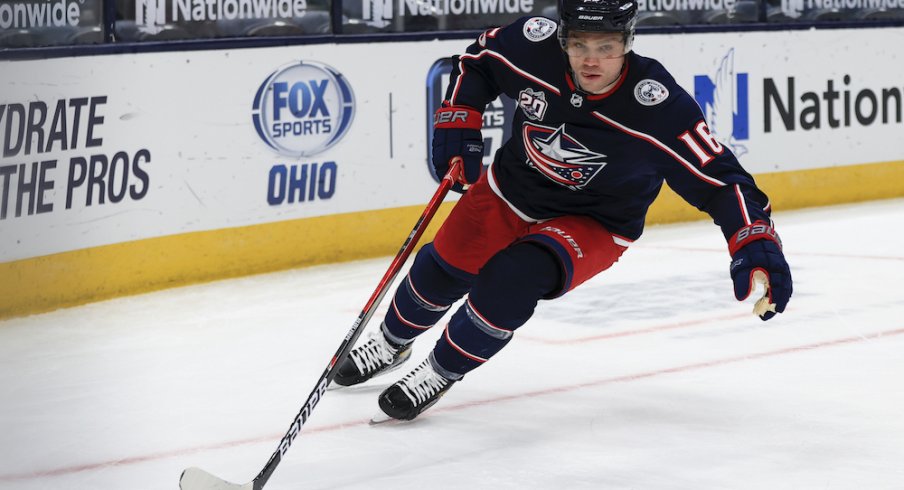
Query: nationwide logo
379 13
46 13
561 158
681 5
792 8
724 100
796 8
151 15
303 108
376 13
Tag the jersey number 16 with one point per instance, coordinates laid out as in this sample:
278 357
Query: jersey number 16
702 132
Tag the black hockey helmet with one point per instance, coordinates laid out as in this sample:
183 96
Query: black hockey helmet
598 16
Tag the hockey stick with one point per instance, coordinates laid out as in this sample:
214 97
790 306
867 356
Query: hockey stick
198 479
762 305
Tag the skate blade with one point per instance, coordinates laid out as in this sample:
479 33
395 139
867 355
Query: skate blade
370 383
381 418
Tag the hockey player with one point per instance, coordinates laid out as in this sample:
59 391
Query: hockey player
597 131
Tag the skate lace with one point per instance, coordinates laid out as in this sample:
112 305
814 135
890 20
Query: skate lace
423 383
373 355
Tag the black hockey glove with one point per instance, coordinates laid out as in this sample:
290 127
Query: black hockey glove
456 132
756 256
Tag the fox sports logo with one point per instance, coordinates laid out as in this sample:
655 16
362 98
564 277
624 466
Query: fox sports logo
303 108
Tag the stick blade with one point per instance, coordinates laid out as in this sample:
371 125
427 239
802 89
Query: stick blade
198 479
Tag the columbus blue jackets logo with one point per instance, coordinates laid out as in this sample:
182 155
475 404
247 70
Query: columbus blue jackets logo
724 101
303 108
560 157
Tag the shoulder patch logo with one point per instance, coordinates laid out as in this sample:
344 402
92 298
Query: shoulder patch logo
532 103
537 29
650 92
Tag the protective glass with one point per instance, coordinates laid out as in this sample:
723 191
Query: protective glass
594 45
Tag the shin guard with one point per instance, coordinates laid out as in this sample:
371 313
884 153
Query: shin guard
422 298
503 298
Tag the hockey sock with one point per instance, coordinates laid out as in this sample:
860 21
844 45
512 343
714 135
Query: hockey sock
422 298
503 298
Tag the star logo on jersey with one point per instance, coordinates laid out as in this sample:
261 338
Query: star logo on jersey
560 157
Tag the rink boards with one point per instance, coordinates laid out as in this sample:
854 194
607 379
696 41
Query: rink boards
132 172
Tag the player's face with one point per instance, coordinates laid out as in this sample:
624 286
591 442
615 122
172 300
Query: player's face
596 58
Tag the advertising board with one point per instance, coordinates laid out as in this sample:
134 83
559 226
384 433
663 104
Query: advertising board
300 150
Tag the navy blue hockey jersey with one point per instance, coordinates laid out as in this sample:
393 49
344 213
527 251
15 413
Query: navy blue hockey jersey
604 156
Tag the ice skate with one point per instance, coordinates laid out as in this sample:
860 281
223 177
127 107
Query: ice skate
375 356
414 393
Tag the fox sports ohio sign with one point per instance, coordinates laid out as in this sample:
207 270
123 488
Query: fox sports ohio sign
303 108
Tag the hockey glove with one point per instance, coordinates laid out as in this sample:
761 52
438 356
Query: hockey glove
756 256
456 132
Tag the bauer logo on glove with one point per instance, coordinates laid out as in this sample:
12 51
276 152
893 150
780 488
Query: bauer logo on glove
457 133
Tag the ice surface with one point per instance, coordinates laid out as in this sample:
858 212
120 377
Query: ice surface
650 376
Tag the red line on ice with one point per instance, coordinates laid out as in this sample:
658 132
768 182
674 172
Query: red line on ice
450 408
639 331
